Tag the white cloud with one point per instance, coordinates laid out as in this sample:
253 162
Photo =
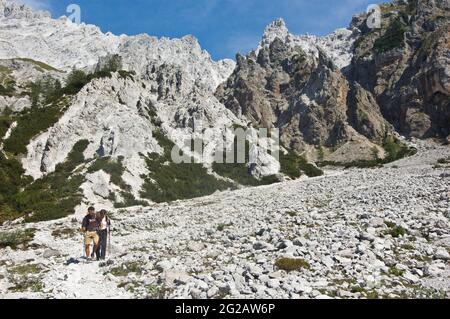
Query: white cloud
36 4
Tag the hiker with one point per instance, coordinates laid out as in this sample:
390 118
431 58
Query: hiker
89 227
103 233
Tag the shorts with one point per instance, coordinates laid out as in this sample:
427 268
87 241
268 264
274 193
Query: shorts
91 236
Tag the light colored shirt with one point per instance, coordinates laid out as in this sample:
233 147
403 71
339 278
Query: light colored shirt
104 224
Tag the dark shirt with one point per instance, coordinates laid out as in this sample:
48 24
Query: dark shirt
90 223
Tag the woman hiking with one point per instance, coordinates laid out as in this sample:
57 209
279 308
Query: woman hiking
103 233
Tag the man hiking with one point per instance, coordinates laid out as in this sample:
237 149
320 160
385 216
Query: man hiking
103 233
89 227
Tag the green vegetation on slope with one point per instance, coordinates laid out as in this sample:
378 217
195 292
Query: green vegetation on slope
115 168
392 39
168 181
39 65
51 197
394 149
29 124
292 165
5 123
56 194
240 172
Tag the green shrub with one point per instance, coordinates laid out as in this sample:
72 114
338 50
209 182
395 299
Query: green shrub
7 91
393 38
396 150
292 165
126 74
14 239
5 123
115 168
292 264
75 82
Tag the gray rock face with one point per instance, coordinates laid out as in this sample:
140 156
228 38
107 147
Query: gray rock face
304 94
406 66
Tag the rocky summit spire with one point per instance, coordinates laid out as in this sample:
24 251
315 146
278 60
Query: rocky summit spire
276 29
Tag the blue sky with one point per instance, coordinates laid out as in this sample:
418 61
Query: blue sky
223 27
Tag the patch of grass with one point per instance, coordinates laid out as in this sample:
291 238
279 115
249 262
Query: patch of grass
157 292
26 269
396 150
39 64
396 272
222 226
27 284
390 224
292 264
357 289
396 231
292 214
408 247
127 268
343 281
14 239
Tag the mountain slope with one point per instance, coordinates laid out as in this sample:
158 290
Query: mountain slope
355 234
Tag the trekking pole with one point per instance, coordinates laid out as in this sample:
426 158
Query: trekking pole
84 248
109 240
